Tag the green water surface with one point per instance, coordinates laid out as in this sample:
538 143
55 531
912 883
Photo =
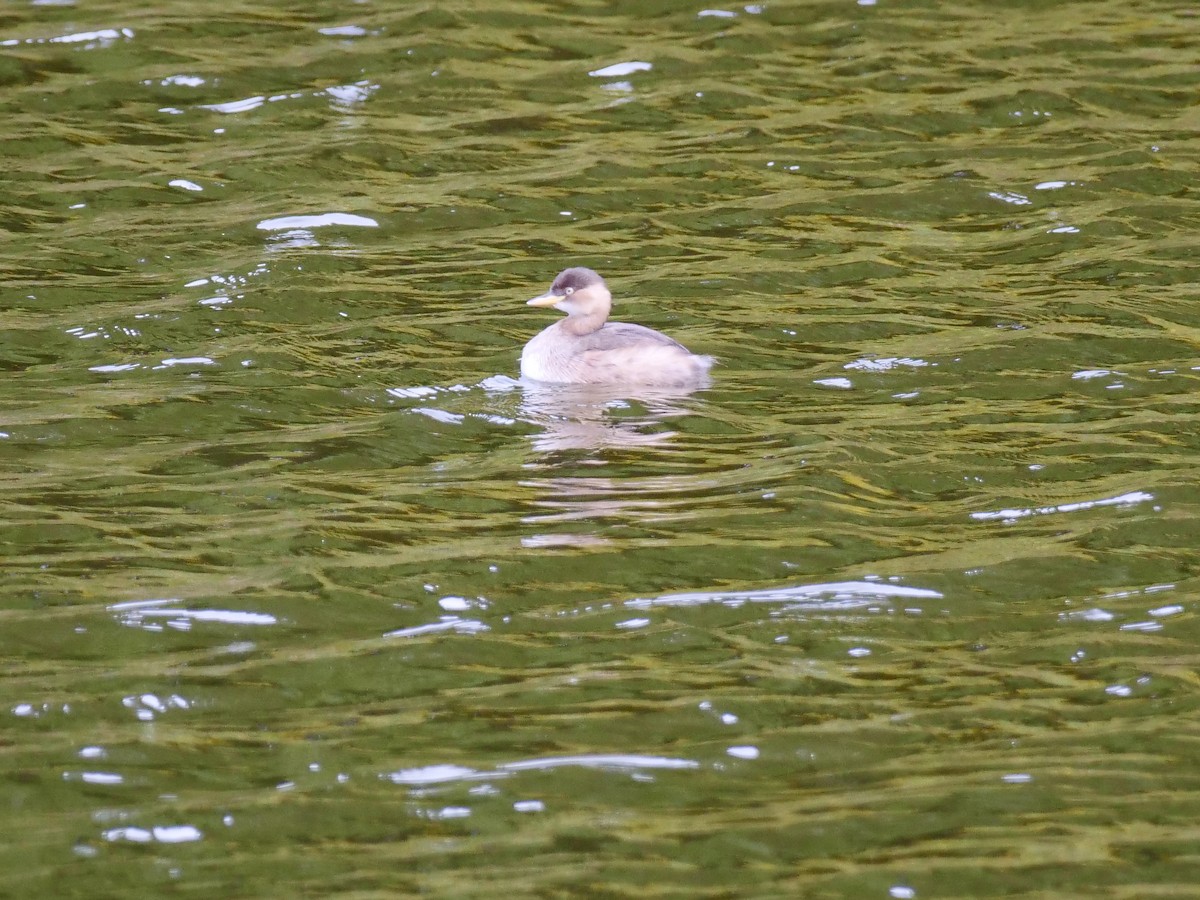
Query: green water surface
303 594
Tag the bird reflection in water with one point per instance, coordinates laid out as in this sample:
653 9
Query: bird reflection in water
595 416
598 418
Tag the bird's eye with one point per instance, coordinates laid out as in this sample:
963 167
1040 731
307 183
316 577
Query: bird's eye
569 291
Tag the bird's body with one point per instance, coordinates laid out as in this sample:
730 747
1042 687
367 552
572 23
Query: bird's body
585 349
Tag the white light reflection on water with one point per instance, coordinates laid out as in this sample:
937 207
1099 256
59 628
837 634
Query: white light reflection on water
618 762
462 604
619 70
440 415
447 623
180 80
1087 615
147 707
162 834
101 778
136 613
743 752
350 94
1010 197
115 367
342 95
1142 626
439 774
832 596
171 362
449 812
1011 515
886 364
412 392
844 384
102 38
236 106
538 541
284 223
1098 615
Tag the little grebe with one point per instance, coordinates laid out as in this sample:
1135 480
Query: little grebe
584 349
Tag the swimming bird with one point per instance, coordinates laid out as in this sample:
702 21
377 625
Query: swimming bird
583 348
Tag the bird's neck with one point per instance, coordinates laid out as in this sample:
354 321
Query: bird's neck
588 311
580 324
